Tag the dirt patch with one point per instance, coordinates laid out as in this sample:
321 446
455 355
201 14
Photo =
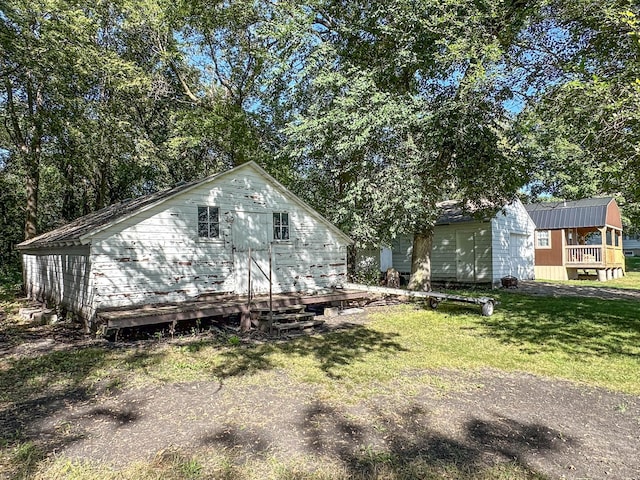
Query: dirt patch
551 427
23 338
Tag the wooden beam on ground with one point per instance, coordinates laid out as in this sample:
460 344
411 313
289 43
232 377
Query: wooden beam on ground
436 297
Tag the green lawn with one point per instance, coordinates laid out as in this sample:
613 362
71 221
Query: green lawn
593 342
632 264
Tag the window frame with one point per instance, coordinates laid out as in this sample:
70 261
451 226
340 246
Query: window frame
208 222
279 226
548 238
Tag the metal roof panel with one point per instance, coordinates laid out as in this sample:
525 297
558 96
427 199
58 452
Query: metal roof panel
589 212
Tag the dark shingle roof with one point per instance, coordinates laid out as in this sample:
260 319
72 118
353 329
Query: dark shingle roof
589 212
452 211
74 230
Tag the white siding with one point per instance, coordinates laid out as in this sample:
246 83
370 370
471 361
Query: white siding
445 252
490 258
156 256
60 278
402 248
514 221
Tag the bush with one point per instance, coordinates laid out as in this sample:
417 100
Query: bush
10 281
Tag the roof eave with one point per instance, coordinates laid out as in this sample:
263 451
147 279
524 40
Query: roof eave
21 247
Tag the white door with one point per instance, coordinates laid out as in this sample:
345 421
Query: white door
520 256
466 256
386 259
250 233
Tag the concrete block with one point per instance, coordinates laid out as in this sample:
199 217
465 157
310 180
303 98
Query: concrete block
28 312
45 317
331 311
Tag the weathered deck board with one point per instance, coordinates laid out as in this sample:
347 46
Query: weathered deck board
203 308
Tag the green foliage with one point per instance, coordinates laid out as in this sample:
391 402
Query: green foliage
584 128
11 217
372 111
367 269
400 106
633 265
10 282
101 102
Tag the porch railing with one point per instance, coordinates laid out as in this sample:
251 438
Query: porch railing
584 255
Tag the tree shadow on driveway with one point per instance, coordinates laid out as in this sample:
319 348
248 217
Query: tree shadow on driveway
35 391
403 443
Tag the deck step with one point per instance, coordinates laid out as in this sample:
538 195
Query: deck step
288 317
280 327
297 308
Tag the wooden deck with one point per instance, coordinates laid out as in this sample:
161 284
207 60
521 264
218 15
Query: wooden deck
593 257
214 306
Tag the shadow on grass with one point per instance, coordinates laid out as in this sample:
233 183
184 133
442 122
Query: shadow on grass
569 324
403 444
35 394
411 447
331 351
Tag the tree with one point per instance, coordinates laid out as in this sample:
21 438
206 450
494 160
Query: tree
219 125
584 129
400 105
44 67
56 73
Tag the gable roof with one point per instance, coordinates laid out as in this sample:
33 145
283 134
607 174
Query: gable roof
588 212
80 230
452 211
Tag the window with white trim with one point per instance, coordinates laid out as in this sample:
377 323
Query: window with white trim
208 222
543 239
280 226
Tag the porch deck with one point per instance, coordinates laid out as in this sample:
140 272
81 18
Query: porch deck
214 306
593 257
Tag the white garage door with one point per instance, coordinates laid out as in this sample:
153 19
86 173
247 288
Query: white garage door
521 256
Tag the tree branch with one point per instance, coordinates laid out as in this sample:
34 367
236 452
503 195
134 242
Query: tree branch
187 91
15 124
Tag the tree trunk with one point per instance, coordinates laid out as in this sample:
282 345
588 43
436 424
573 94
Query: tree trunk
27 141
31 211
421 262
102 185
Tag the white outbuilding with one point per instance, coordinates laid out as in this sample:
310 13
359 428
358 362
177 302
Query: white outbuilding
471 250
204 237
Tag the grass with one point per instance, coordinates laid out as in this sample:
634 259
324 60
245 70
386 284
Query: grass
632 264
630 281
400 352
175 464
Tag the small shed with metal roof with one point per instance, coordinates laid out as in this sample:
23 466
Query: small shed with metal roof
202 237
578 237
468 249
